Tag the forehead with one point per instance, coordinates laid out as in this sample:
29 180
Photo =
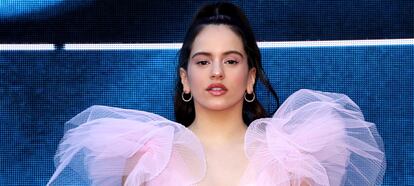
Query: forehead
217 39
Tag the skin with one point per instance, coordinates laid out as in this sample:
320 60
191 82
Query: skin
218 56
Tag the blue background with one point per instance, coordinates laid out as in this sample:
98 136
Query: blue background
162 21
40 90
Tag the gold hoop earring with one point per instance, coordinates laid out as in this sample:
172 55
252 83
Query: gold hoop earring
186 100
250 100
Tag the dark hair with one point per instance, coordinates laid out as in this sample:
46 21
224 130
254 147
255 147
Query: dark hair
232 16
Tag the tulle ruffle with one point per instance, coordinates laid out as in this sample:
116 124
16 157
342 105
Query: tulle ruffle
111 146
316 138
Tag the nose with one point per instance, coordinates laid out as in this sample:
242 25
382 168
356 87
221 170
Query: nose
217 71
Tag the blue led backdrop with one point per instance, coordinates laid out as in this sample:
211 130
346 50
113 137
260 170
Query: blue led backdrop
155 21
40 90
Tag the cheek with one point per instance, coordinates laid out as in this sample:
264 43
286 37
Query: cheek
195 77
239 79
242 74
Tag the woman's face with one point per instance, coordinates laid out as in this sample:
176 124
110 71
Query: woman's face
217 73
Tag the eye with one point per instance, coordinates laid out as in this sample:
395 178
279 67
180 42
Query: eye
231 62
202 63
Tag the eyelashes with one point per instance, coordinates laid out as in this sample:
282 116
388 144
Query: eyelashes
202 63
231 62
205 62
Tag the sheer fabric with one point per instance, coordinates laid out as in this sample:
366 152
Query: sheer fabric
315 137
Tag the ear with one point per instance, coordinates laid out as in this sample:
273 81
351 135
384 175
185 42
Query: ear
251 80
184 80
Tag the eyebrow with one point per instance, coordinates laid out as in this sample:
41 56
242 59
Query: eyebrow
225 53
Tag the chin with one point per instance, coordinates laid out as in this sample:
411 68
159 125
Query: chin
219 106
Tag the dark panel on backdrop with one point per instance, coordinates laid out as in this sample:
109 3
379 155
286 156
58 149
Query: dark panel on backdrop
155 21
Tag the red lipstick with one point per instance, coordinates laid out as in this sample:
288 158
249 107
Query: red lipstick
216 89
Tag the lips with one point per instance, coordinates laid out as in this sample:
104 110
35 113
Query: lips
216 89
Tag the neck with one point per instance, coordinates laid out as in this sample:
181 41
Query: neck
219 127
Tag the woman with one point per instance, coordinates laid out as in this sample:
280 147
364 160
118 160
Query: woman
224 138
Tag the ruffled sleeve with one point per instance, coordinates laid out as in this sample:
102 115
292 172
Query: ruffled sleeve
112 146
315 138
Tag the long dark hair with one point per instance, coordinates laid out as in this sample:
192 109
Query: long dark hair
232 16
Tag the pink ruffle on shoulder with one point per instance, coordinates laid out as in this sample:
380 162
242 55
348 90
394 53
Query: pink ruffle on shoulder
315 137
111 146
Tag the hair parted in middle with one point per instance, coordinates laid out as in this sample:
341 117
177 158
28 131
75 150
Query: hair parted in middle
233 17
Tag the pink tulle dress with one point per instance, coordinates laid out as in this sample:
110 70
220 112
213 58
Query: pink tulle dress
314 136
